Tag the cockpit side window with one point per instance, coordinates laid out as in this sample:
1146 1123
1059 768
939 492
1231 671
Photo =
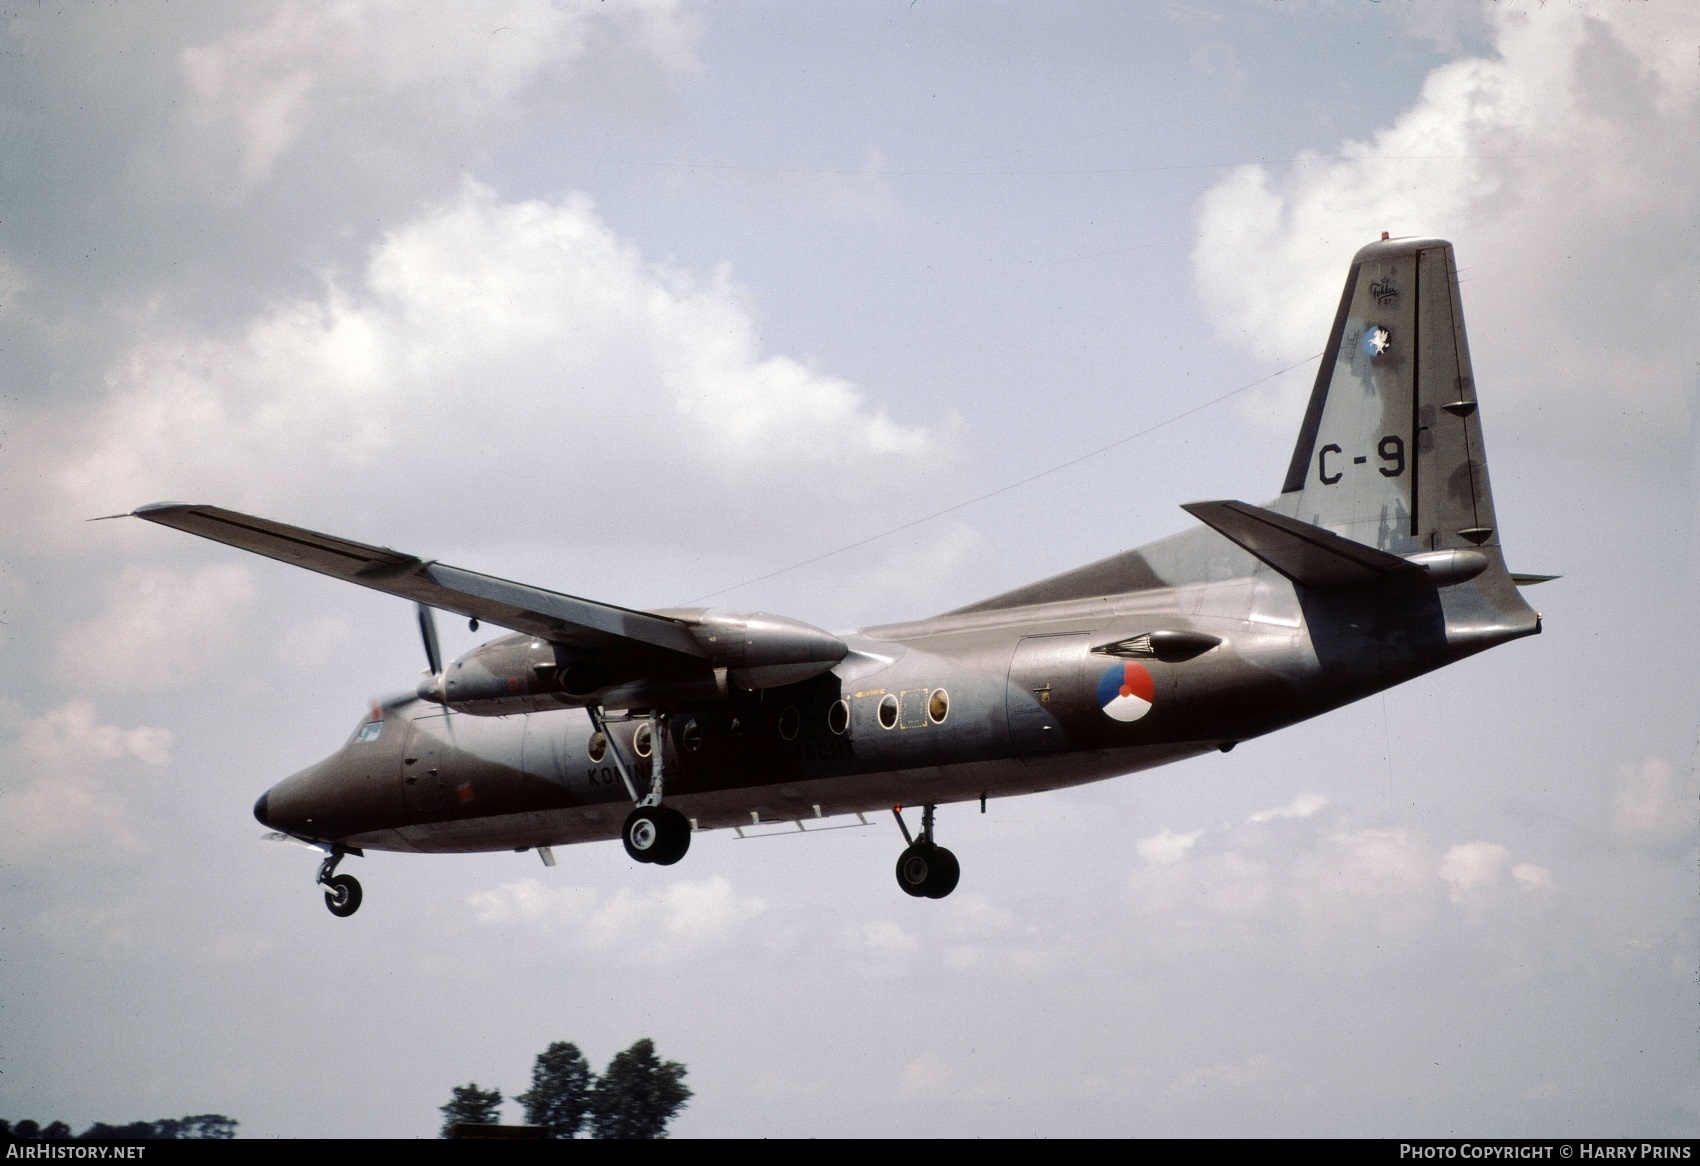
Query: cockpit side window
368 732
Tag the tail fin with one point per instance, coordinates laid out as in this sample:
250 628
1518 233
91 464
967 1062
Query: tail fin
1390 454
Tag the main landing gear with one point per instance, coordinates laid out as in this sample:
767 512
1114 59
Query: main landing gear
342 892
653 832
925 869
658 834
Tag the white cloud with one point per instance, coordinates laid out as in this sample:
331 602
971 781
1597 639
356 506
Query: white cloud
652 926
52 791
1471 868
887 939
1551 165
1651 806
354 71
1302 872
1167 847
490 344
71 740
1530 877
1381 875
1302 806
925 1076
159 628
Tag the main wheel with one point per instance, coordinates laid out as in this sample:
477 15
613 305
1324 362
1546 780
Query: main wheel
915 869
342 895
945 875
642 833
927 871
675 837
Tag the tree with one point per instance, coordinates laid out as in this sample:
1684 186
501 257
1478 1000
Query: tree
470 1105
204 1125
559 1097
638 1095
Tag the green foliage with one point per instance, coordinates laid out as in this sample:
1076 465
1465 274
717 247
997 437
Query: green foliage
472 1106
638 1095
559 1097
198 1126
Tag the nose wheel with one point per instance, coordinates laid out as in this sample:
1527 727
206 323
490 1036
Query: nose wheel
925 869
342 895
342 892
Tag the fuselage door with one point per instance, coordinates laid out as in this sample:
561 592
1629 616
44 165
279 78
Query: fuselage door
1044 685
422 780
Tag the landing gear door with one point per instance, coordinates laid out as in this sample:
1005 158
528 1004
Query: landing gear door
1044 686
422 781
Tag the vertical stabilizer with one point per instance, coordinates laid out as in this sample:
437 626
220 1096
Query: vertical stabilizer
1390 454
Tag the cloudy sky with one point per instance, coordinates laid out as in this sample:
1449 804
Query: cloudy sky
646 301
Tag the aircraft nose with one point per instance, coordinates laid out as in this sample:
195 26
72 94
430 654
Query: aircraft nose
260 809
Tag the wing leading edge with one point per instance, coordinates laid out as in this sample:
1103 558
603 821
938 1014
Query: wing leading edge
561 619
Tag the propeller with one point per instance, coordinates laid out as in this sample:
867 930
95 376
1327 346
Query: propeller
436 688
428 632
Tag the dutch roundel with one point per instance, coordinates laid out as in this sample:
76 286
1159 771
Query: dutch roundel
1126 692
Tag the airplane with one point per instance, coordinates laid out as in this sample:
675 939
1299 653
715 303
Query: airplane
1379 561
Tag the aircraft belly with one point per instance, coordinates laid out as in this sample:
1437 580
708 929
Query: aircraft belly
786 802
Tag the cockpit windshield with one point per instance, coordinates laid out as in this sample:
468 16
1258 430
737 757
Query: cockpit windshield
368 732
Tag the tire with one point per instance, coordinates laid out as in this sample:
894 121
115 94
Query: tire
342 895
643 833
915 869
675 837
946 873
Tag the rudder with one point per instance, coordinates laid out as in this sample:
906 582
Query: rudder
1390 453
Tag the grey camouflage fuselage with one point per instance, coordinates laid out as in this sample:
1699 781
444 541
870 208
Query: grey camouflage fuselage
1379 561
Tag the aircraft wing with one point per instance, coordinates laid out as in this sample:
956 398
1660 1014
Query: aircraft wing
561 619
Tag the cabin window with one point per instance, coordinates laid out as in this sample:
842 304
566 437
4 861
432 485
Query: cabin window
790 721
838 716
888 711
938 705
368 732
598 746
691 735
642 740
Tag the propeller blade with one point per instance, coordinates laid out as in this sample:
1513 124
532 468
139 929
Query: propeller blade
428 631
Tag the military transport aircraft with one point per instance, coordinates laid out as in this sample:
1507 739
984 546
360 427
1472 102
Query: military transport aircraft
1378 562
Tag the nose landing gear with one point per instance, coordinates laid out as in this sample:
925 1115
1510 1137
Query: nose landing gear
342 892
925 869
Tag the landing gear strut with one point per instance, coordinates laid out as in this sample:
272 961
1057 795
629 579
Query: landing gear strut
653 832
925 870
342 892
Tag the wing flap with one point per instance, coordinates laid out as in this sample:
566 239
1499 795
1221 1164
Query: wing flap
1304 553
562 619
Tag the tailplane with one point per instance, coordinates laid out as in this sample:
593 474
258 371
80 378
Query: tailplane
1390 454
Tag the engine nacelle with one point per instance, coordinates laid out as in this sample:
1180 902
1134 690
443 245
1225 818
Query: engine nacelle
520 673
759 650
515 674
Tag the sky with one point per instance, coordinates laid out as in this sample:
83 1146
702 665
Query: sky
647 302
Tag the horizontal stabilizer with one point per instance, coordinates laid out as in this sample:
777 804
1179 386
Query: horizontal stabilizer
1306 554
562 619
